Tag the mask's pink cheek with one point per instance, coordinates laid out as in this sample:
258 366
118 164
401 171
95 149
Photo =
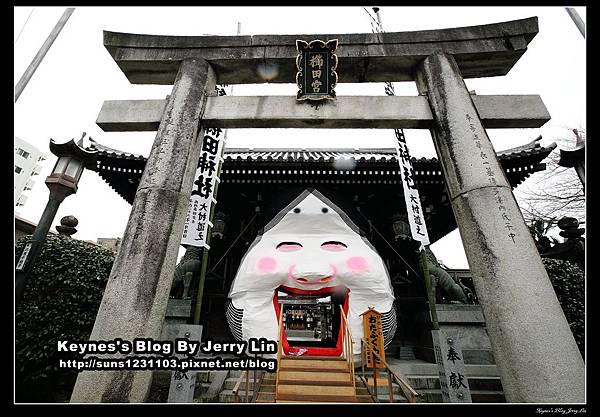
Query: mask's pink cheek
357 264
266 264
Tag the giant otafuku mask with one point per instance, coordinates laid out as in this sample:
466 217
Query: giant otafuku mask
310 249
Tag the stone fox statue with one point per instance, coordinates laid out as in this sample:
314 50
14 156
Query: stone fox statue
310 249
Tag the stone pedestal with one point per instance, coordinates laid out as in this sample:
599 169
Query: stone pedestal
468 321
178 313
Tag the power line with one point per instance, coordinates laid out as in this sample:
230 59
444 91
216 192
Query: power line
19 35
42 52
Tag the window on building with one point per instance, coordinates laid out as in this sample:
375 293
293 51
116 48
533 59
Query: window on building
23 153
18 169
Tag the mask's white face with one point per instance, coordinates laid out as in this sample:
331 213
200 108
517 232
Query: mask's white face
309 249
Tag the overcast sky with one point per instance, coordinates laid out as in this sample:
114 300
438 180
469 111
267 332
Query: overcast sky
63 98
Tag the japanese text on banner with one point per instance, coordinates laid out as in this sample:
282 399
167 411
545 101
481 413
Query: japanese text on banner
414 211
197 221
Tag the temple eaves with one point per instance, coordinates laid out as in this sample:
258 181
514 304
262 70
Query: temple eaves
122 171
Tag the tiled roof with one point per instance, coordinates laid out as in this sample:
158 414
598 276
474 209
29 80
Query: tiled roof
122 170
327 154
106 151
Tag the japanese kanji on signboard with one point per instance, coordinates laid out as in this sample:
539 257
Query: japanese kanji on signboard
316 63
373 337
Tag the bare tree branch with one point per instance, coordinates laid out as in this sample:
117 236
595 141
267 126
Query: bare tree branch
552 194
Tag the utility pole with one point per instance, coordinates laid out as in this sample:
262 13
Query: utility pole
577 20
42 52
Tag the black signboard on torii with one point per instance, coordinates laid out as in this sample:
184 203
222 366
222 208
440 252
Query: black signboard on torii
316 62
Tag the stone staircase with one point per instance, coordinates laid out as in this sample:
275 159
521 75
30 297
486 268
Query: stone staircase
322 375
406 353
318 379
484 382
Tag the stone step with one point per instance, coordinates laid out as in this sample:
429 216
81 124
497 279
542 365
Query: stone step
237 373
406 353
408 368
483 389
209 376
267 389
226 396
362 393
385 398
477 396
266 384
266 397
366 398
384 389
475 382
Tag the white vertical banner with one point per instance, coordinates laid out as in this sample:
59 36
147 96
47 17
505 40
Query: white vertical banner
414 210
197 221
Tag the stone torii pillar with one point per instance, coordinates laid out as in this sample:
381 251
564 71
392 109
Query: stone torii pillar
136 295
533 346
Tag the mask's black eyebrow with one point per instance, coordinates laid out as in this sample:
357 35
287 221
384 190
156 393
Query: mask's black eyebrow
334 242
288 243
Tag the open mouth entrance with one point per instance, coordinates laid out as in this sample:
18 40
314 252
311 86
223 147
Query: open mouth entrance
311 320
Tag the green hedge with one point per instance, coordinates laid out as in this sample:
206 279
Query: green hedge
60 302
568 280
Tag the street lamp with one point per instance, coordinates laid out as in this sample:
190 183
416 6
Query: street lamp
219 225
62 182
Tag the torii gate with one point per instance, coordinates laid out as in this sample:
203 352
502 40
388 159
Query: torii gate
534 349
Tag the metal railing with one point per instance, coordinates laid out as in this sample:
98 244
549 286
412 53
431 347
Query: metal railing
347 345
279 348
236 387
410 394
256 384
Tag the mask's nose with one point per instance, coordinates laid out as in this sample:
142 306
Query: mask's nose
312 272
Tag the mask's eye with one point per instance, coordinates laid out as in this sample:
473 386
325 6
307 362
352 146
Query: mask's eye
289 246
333 246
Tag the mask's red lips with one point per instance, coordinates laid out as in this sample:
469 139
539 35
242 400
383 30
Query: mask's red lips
312 351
